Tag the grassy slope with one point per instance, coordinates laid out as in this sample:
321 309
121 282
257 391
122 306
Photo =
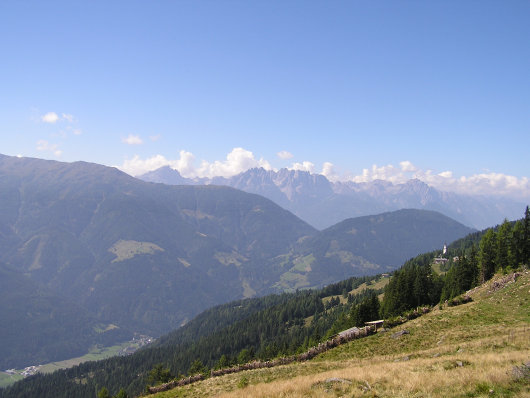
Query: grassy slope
8 379
488 337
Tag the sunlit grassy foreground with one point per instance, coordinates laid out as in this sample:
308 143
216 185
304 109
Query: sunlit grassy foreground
465 351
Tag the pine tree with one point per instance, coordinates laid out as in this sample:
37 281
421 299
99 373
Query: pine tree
422 285
517 244
526 237
474 265
159 374
487 255
104 393
244 356
223 362
121 394
197 367
450 285
502 260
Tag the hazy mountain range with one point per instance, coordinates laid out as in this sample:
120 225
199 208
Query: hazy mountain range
322 203
115 255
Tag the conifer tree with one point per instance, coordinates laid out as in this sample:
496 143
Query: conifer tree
474 266
526 237
197 367
223 362
159 374
517 244
503 243
104 393
487 255
121 394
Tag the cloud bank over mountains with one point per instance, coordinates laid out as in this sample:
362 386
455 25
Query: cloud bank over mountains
240 160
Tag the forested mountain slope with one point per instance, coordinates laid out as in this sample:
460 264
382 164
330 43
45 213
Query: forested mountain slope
148 257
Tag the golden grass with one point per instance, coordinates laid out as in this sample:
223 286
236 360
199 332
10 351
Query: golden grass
487 337
434 377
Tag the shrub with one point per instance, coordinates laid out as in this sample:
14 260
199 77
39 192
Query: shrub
243 382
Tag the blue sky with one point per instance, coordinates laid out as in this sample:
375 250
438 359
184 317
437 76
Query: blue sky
392 89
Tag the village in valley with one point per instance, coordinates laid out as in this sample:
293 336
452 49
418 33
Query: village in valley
124 349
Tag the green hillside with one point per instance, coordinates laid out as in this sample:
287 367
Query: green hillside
477 349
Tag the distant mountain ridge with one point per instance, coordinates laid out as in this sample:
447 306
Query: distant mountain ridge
365 246
322 203
148 257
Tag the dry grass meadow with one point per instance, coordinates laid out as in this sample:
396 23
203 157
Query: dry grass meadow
473 350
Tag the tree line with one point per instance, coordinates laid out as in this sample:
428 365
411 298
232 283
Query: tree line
471 261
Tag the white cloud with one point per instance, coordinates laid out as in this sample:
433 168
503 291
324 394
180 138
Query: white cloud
77 131
53 117
50 117
132 140
284 155
45 146
137 166
236 162
240 160
387 173
155 138
304 166
407 166
328 170
477 184
185 164
482 184
68 117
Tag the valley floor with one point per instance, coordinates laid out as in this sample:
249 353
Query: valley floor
479 349
95 354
